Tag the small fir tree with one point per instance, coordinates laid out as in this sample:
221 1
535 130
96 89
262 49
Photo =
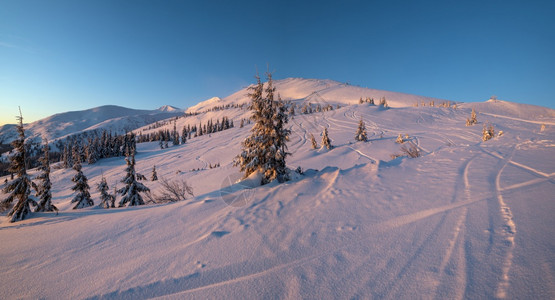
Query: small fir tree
83 197
130 192
313 142
154 174
361 132
473 120
184 135
175 135
20 188
326 140
107 200
44 192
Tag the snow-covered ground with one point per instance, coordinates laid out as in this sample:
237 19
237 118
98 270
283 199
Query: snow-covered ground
468 219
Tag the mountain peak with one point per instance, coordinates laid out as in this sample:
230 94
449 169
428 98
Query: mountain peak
168 108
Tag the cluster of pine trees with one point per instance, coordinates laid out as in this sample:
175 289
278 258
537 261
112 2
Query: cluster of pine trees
19 189
166 136
93 148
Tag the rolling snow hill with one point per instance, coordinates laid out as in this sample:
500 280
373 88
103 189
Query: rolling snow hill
317 91
110 117
468 219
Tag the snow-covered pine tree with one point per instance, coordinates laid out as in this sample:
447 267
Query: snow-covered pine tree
280 136
313 143
154 174
473 120
107 200
90 152
361 132
44 192
175 135
130 192
265 148
184 135
253 156
326 140
83 197
383 103
20 188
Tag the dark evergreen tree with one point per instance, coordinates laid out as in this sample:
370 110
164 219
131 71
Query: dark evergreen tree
361 132
44 192
107 200
154 176
175 135
20 188
326 140
184 135
130 192
280 136
83 197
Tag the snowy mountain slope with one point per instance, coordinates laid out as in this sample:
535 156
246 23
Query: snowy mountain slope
318 91
109 117
468 219
519 111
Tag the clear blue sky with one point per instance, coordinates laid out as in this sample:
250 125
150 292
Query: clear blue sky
57 56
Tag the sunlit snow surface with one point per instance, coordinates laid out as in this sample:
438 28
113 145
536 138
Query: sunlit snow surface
468 219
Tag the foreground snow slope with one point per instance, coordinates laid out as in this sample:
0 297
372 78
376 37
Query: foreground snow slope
468 219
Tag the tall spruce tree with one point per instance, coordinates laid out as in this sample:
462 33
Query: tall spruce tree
265 149
281 136
361 132
20 188
83 197
44 192
130 192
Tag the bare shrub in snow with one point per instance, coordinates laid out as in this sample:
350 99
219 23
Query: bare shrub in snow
410 150
172 191
399 139
488 132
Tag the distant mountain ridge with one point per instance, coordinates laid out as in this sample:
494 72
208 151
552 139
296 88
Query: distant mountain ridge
299 90
110 117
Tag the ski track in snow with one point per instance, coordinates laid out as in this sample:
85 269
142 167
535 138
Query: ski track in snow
509 233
